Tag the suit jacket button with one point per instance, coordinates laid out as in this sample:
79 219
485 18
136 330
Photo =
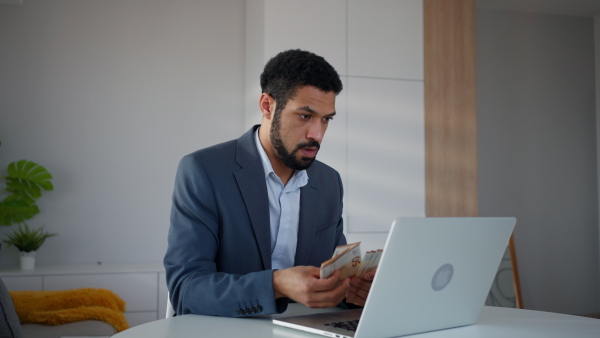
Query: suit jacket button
240 312
258 308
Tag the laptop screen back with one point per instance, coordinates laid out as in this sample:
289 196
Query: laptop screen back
435 273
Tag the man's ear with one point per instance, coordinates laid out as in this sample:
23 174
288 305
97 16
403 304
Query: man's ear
266 104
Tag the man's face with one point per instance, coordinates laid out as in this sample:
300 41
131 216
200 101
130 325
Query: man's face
298 128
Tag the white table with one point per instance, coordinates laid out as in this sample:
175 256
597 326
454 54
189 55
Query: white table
493 323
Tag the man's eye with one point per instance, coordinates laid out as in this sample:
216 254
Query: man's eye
327 119
305 116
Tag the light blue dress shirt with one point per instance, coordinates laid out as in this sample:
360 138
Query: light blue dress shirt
284 211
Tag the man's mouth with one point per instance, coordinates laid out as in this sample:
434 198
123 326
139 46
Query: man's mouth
309 151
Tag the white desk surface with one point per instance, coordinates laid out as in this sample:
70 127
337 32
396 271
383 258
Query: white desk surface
493 323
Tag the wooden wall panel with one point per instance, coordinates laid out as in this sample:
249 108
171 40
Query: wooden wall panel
450 108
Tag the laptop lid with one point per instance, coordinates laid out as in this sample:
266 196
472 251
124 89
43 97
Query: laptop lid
435 273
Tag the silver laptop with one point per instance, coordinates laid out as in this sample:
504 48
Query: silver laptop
435 273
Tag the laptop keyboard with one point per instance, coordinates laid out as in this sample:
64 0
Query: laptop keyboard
349 325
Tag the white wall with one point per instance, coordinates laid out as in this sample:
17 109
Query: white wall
376 140
112 93
109 95
537 151
597 64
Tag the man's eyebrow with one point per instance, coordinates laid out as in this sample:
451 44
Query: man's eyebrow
312 111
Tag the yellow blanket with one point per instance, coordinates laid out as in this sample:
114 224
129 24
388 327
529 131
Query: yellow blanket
60 307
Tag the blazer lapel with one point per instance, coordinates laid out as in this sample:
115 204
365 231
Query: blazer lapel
306 227
254 193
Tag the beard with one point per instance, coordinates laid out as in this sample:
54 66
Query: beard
289 157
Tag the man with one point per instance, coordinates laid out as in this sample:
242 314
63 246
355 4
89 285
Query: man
253 218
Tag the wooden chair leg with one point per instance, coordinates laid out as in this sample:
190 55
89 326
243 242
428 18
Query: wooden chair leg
515 271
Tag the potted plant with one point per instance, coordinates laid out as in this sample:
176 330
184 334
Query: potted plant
25 182
28 241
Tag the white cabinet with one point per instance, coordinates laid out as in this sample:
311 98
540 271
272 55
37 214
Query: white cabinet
141 286
314 25
18 283
385 39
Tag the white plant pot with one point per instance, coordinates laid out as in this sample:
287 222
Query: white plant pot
27 260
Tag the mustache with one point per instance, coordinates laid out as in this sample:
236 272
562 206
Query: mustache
311 143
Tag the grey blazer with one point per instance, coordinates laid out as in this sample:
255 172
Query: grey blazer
218 260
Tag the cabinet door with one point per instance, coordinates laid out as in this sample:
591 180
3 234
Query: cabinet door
32 283
138 290
386 153
386 40
319 27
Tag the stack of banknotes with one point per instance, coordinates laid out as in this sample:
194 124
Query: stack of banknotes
347 258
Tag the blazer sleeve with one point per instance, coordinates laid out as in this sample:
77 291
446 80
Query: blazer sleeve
193 281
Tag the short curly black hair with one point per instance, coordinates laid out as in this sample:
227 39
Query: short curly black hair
295 68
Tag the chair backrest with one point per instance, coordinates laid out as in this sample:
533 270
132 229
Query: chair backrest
10 327
170 310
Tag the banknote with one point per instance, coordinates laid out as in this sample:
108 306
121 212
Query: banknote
340 248
372 264
366 262
346 259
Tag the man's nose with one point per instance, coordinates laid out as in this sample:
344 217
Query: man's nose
316 130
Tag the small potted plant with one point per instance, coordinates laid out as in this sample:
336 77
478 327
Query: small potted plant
28 241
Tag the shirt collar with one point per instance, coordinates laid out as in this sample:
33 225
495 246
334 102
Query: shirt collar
299 176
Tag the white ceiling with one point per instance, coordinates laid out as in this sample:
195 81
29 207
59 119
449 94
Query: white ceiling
587 8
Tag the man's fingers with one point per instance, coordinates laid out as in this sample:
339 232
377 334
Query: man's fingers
362 293
327 283
359 289
369 276
361 284
355 299
302 284
313 270
329 297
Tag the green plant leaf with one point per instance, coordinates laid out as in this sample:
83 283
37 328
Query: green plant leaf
28 179
27 239
25 182
16 210
23 188
30 171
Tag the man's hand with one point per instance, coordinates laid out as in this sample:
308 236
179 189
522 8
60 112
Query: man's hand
302 284
359 288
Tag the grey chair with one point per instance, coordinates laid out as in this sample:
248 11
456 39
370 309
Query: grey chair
9 321
10 327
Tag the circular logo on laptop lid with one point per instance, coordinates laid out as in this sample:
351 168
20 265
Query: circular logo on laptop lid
442 277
